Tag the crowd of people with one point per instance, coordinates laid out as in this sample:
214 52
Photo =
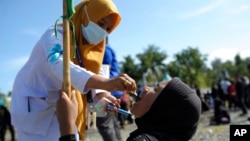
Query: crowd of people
228 95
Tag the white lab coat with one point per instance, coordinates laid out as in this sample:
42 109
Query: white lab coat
36 88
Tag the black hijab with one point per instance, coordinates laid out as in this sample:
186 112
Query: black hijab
173 116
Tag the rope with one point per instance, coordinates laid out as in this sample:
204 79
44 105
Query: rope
71 12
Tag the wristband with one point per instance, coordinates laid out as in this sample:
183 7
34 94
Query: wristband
70 137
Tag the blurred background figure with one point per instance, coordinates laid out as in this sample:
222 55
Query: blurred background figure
248 69
224 84
221 114
5 123
124 105
241 94
204 103
232 96
108 126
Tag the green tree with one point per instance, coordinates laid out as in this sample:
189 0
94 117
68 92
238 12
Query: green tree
2 95
240 65
151 64
129 67
192 64
152 60
189 65
9 94
235 67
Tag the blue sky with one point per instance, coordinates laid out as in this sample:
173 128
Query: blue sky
219 28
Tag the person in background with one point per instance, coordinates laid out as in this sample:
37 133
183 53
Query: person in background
214 90
221 114
205 106
108 125
36 86
5 123
167 111
125 101
232 96
239 86
224 84
248 69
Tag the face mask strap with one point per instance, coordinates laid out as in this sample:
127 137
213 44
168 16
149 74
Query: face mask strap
85 8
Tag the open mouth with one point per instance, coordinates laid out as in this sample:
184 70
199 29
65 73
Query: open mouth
135 96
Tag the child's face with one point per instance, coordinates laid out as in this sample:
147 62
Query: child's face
148 96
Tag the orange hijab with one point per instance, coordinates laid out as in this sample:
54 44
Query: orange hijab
91 55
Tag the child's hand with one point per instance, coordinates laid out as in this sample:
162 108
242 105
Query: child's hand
109 99
67 110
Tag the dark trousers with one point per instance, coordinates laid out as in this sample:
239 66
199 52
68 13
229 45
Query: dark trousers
108 127
242 105
5 123
121 117
3 130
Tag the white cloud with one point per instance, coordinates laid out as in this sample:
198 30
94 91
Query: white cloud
202 10
239 10
228 53
239 25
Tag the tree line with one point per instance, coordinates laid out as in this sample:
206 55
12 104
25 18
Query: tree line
189 64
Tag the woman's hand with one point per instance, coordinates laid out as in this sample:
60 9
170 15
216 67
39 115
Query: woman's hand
121 82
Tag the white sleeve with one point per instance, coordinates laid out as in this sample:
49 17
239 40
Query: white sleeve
105 69
54 52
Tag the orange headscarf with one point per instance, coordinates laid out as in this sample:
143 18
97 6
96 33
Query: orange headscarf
91 55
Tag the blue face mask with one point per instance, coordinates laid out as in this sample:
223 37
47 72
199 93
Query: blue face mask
93 33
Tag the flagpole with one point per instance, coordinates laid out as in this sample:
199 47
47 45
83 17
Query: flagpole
66 51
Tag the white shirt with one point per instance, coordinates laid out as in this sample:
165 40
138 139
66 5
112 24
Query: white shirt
41 79
224 86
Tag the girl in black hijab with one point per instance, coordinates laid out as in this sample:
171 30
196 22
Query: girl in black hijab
169 111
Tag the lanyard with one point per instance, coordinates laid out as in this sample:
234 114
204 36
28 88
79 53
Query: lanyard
79 58
89 95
